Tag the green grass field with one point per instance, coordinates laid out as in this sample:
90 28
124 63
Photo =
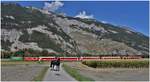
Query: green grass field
41 75
74 73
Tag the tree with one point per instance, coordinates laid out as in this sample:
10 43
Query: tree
44 53
30 50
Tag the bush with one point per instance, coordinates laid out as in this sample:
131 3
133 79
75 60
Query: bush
6 54
45 53
91 64
117 64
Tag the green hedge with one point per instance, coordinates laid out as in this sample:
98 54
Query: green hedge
118 64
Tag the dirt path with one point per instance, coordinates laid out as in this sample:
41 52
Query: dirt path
112 74
57 75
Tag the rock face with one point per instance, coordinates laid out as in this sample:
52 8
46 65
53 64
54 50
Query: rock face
28 27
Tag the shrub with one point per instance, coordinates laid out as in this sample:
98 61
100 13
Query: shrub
45 53
6 54
91 64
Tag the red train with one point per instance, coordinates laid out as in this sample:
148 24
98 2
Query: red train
80 58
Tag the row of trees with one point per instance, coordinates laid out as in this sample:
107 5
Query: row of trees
32 53
26 53
36 53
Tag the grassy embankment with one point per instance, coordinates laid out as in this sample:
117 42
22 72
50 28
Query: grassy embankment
41 75
21 62
74 73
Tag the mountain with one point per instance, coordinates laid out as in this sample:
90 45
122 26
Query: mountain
28 27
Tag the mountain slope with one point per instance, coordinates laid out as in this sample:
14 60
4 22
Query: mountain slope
28 27
95 35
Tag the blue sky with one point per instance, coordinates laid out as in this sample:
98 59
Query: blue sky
134 14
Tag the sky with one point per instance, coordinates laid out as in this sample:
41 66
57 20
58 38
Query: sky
134 14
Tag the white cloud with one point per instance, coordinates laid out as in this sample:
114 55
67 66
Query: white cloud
84 15
104 22
53 6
